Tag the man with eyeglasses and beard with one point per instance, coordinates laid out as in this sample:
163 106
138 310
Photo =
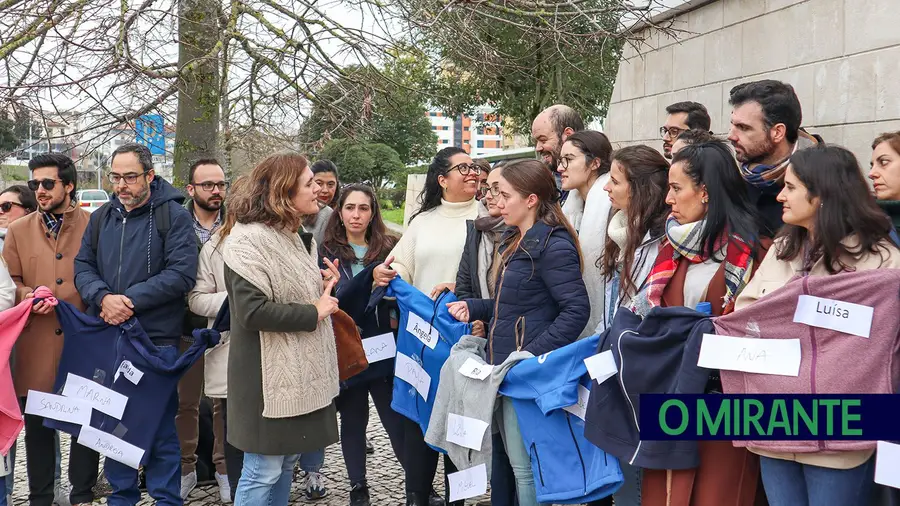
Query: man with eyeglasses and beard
139 258
40 250
207 189
549 130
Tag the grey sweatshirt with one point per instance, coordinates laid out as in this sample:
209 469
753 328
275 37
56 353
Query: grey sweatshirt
469 397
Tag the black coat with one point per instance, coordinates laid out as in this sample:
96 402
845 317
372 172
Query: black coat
468 286
541 293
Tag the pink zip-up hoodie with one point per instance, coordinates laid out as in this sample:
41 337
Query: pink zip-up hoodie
12 321
831 362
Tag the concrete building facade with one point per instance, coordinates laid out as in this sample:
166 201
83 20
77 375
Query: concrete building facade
841 56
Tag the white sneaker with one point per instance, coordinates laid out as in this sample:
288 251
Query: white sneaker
61 491
224 488
188 484
314 486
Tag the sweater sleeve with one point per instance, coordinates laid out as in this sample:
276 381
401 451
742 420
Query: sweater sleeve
7 289
206 298
252 310
14 267
565 285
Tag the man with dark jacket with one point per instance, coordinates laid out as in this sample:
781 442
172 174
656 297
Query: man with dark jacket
133 263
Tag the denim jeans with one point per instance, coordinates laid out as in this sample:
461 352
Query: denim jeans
790 483
312 462
519 458
163 468
503 481
265 480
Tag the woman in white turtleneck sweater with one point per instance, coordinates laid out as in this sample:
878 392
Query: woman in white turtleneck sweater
427 257
584 165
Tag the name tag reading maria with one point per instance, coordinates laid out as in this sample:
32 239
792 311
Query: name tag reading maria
746 354
423 330
836 315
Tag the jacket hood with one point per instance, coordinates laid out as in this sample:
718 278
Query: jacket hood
161 191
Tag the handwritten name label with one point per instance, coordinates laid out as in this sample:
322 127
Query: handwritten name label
127 369
580 408
468 483
423 330
465 431
411 372
57 407
110 446
748 354
475 369
601 366
887 462
96 395
380 348
5 466
833 314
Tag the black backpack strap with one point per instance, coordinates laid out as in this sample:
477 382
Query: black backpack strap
163 221
96 221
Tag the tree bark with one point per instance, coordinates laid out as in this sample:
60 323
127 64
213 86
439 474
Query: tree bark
197 123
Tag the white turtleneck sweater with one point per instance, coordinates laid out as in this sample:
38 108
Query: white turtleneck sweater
429 252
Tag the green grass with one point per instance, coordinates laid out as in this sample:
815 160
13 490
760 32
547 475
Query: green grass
393 215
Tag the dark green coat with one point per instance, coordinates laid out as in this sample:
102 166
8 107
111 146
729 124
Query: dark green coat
252 312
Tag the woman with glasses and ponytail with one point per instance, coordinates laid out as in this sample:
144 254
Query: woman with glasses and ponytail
427 257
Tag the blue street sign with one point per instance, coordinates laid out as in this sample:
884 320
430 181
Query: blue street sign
149 131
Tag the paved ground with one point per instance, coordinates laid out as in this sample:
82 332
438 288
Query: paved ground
384 475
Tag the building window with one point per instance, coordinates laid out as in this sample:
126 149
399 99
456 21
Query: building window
433 127
432 114
480 144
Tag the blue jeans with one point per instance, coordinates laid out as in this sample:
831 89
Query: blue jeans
519 458
789 483
265 480
503 481
163 468
11 477
312 462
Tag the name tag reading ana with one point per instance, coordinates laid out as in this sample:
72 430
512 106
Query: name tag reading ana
780 357
833 314
423 330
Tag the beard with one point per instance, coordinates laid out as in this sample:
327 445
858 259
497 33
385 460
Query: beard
134 199
211 204
757 153
55 206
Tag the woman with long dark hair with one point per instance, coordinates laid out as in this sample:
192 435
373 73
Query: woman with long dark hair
326 176
832 226
708 255
356 239
540 303
427 257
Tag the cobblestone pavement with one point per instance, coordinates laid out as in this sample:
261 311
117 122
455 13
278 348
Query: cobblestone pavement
384 474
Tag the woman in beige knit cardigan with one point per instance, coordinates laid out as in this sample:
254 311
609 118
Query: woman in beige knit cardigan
283 374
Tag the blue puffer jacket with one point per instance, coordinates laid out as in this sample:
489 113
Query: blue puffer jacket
542 298
133 260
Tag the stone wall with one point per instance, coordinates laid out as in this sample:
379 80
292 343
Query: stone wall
841 56
415 183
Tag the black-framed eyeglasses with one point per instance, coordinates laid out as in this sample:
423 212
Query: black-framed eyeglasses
494 191
7 206
48 184
209 185
129 178
672 132
564 162
466 168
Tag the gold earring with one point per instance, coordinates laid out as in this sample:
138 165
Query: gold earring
705 200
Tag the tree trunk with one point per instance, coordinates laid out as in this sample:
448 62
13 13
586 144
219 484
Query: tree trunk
197 124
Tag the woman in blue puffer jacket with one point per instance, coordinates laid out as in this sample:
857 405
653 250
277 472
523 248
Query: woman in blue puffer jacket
541 303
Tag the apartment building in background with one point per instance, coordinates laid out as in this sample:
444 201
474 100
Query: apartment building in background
480 134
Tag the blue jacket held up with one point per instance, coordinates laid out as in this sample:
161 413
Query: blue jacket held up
407 401
95 350
155 273
543 304
567 468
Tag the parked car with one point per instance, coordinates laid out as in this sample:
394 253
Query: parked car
91 200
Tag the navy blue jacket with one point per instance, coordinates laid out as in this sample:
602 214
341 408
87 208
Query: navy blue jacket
656 355
133 260
541 292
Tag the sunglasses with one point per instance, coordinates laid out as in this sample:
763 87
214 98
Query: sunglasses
7 206
48 184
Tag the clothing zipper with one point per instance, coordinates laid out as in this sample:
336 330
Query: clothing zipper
121 247
577 449
812 366
537 459
627 397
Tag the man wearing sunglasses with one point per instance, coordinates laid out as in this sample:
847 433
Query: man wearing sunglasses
139 258
40 250
207 189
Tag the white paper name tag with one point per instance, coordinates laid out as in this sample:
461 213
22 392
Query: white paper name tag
601 366
762 356
423 330
380 348
5 466
580 408
132 373
465 431
468 483
98 396
887 464
57 407
832 314
476 370
111 446
411 372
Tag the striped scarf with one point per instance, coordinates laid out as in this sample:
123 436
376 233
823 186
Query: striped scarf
683 241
